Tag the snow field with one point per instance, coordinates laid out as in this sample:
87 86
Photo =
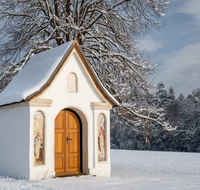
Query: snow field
131 170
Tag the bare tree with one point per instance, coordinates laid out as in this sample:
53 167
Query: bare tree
106 30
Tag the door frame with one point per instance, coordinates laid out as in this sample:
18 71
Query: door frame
81 144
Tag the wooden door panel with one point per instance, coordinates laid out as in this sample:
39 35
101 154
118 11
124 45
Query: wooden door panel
71 122
73 144
59 142
73 150
73 164
59 164
67 155
59 121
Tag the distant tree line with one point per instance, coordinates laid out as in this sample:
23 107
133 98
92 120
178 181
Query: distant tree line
184 112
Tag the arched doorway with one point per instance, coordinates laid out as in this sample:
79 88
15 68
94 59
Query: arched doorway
67 143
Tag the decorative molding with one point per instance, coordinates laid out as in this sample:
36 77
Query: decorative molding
72 83
15 105
101 106
41 102
37 102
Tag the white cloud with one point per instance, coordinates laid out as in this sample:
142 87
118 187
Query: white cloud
181 69
150 45
191 7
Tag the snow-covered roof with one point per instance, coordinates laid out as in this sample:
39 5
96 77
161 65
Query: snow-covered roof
38 73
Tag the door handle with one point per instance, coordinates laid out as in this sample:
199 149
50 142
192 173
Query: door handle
67 139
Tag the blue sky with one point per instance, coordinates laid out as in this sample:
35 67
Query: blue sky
177 47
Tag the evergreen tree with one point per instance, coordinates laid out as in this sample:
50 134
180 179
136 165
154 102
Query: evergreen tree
161 95
189 97
181 97
195 96
171 94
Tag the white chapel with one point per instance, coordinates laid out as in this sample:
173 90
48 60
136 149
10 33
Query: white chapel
55 118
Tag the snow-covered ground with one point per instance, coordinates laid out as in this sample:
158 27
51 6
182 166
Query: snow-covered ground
131 170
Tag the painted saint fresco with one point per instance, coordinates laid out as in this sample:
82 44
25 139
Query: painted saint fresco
101 123
72 83
38 138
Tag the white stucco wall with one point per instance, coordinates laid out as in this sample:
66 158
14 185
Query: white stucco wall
79 102
14 141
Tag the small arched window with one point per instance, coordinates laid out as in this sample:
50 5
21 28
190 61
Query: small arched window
72 83
101 134
38 138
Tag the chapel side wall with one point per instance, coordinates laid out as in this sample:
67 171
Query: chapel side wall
14 142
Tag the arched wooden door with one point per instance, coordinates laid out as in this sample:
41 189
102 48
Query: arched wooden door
67 143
